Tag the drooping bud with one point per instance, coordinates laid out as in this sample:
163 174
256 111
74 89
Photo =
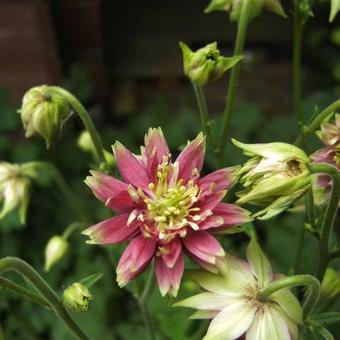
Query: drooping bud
274 177
206 64
14 189
77 297
44 113
234 7
55 250
330 286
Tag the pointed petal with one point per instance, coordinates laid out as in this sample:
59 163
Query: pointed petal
155 144
203 246
169 279
172 251
130 168
191 158
232 321
135 258
204 314
111 231
209 202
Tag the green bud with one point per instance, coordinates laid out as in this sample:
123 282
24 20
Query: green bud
274 177
330 286
234 7
206 64
44 113
77 297
335 8
14 189
55 250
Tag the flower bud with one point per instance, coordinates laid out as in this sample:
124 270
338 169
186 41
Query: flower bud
44 113
275 177
14 189
77 297
55 250
330 286
206 64
234 7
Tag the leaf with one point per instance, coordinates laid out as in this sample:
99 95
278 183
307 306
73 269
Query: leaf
91 279
335 7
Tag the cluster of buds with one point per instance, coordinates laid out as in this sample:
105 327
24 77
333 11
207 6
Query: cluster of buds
274 177
77 297
206 64
15 182
234 7
44 113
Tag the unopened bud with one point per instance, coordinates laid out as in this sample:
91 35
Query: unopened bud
44 113
206 64
77 297
55 250
330 286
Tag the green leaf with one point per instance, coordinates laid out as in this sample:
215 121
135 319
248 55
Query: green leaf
335 7
91 279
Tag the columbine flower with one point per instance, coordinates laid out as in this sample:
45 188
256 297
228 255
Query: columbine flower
166 208
234 7
206 64
14 189
275 177
231 301
77 297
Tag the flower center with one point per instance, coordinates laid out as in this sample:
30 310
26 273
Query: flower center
294 168
171 202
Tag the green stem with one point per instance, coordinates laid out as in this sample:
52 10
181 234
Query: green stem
329 217
27 271
297 79
293 281
23 292
85 118
317 121
71 229
326 333
234 76
202 105
63 186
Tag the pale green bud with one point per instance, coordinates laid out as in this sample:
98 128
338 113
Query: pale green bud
335 8
44 113
14 189
330 286
206 64
274 177
55 250
234 7
77 297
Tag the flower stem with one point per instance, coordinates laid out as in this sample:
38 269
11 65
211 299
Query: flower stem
316 122
27 271
234 76
293 281
85 118
329 217
21 291
297 82
71 229
64 188
202 105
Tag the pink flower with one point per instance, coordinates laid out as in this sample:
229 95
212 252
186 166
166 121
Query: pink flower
165 208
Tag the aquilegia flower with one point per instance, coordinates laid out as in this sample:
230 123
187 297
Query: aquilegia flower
165 208
274 177
231 301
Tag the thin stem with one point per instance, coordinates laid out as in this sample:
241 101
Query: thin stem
71 229
63 186
27 271
297 79
23 292
202 105
234 76
293 281
317 121
85 118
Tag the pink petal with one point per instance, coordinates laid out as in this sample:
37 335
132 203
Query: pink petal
130 168
219 180
172 251
324 155
111 231
232 215
135 258
111 191
191 158
169 279
210 201
155 145
213 221
203 246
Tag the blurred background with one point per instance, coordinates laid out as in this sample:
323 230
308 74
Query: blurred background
122 60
